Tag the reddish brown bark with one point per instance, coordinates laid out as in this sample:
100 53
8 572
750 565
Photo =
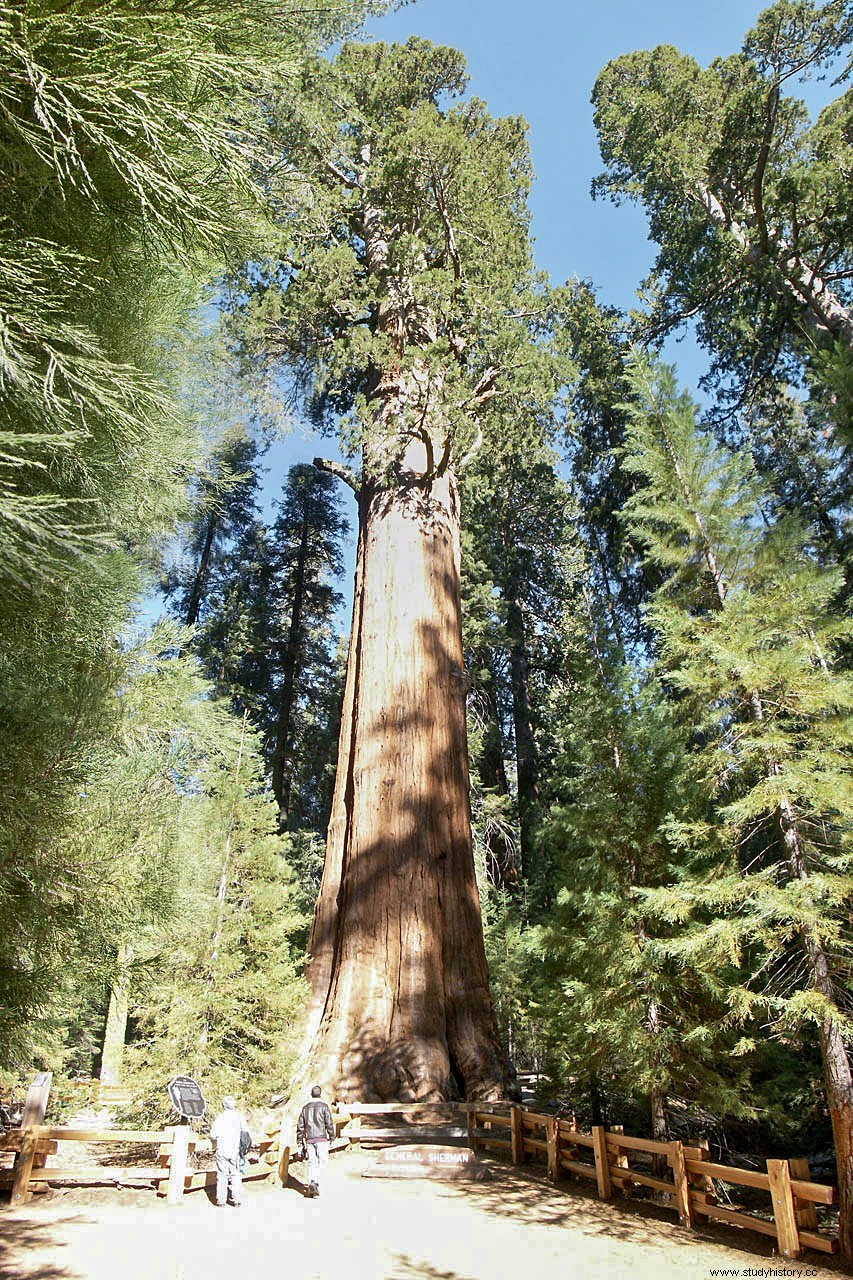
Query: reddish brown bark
402 1008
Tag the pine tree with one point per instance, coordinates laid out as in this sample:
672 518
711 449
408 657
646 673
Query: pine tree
612 995
225 506
747 635
521 521
307 558
218 994
747 199
128 172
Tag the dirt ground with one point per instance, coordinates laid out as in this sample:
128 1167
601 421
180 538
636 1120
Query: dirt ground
516 1227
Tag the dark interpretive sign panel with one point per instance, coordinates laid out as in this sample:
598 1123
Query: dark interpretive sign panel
449 1164
187 1098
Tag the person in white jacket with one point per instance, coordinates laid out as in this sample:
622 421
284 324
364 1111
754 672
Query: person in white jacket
225 1131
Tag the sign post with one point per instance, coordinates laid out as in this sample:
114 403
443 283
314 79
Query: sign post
188 1100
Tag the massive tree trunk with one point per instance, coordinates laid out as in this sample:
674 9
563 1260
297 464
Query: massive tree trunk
402 1008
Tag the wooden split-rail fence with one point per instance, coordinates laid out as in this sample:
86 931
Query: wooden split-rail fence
682 1174
169 1171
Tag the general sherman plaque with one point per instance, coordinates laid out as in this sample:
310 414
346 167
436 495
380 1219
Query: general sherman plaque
187 1098
448 1164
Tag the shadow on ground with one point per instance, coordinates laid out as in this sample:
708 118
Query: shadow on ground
524 1194
18 1236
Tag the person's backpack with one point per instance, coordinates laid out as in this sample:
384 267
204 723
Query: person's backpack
245 1142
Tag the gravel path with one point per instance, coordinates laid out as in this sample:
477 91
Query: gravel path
516 1227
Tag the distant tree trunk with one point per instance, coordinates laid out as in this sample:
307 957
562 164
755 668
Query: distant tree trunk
501 864
660 1120
398 968
197 591
281 773
526 758
221 899
115 1031
595 1105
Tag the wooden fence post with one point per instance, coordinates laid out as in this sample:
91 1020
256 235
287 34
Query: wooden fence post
700 1181
517 1134
552 1133
34 1112
284 1166
806 1211
24 1167
471 1117
602 1172
178 1163
681 1185
784 1212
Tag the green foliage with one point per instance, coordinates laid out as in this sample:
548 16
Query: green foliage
748 640
749 203
80 888
409 258
217 989
618 1005
129 176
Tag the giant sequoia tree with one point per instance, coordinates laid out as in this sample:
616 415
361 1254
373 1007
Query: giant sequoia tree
404 293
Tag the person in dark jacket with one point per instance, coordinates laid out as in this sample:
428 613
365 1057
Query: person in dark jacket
315 1129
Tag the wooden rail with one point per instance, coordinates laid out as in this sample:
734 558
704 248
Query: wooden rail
689 1176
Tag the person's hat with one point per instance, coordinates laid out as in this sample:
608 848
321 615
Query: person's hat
316 1091
229 1103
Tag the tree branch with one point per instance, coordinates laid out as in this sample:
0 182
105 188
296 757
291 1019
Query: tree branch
342 472
337 173
484 389
441 205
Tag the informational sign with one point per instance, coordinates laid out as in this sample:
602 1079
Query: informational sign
187 1098
449 1164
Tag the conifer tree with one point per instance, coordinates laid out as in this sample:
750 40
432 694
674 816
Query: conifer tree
127 166
747 199
748 636
218 994
404 295
225 506
612 994
520 518
307 558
